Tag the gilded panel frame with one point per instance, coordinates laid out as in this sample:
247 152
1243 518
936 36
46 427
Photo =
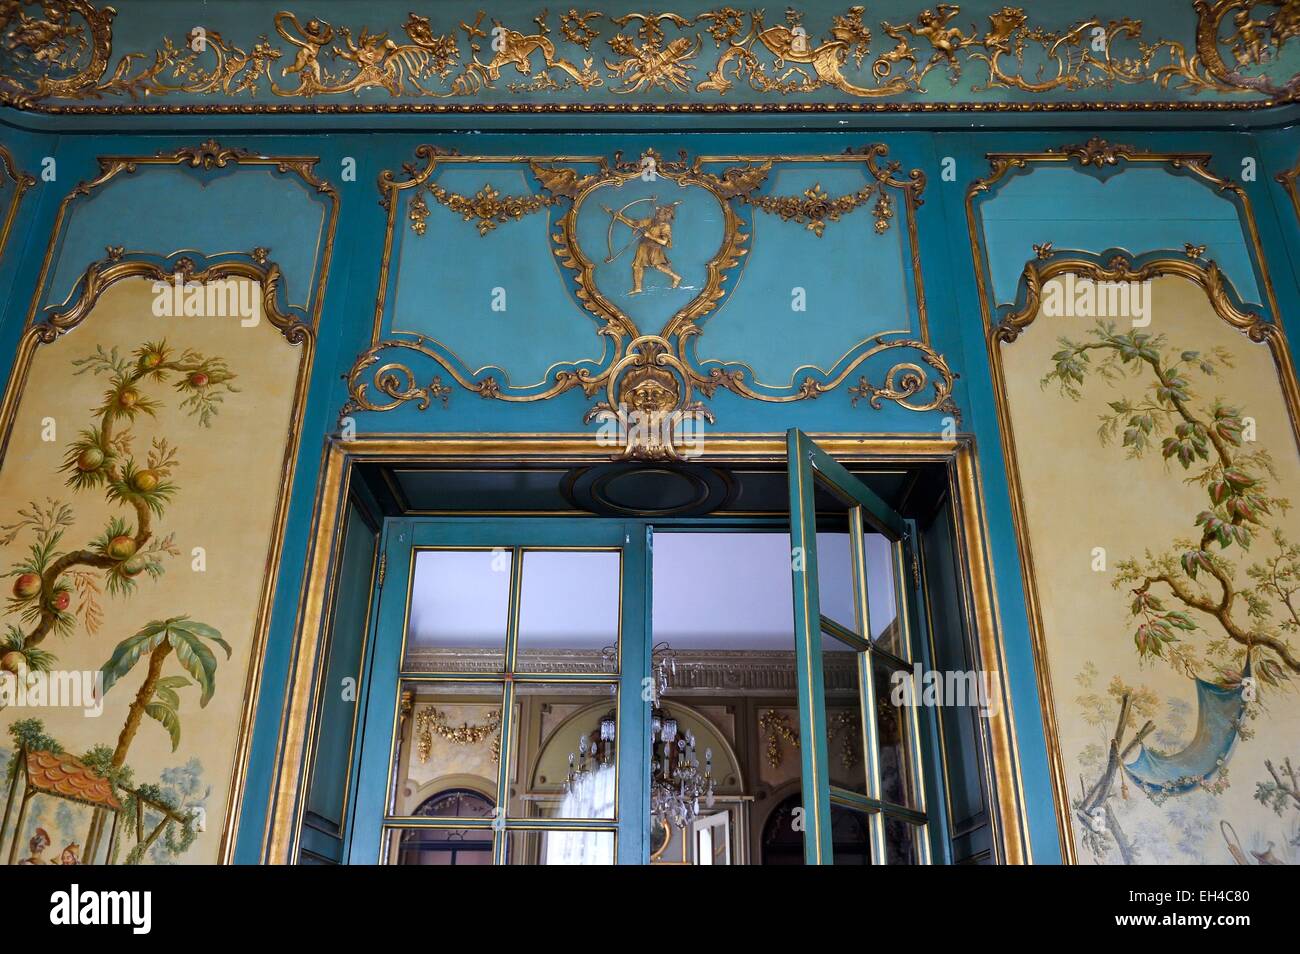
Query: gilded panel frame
22 181
1003 323
298 329
1000 749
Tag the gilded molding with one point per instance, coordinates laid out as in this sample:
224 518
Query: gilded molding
22 181
65 61
1003 324
99 276
1288 180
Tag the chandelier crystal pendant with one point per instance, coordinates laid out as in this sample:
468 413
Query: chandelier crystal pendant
678 782
591 755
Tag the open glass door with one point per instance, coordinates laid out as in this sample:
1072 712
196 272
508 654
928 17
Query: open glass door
852 617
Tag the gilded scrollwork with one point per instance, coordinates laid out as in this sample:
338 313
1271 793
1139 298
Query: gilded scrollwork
651 374
61 56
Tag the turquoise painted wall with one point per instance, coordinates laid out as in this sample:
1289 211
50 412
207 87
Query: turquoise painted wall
162 211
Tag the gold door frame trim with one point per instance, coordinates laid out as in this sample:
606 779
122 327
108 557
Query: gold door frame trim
100 276
207 156
1096 155
22 181
999 748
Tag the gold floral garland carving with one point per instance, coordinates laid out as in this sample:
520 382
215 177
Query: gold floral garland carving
430 720
64 56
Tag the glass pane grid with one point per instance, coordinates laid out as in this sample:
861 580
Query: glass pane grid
501 635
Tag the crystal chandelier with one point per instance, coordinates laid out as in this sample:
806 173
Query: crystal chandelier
678 782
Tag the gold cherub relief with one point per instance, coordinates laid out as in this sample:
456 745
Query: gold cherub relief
653 236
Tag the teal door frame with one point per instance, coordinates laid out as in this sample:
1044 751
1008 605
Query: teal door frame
403 536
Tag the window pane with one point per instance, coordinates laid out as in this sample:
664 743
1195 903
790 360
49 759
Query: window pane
834 558
851 836
722 603
438 846
892 730
881 595
843 716
902 840
569 744
450 742
460 603
560 848
569 611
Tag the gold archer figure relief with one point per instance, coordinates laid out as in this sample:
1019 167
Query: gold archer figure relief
652 235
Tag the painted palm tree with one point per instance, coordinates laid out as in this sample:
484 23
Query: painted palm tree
157 696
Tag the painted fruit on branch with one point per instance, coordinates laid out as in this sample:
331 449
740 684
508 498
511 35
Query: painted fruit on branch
134 566
90 459
198 380
14 662
145 481
150 360
128 398
61 601
27 585
121 548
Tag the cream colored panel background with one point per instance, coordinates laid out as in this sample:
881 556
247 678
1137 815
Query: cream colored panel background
1079 495
229 480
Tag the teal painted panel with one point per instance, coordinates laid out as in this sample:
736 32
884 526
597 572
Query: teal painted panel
163 209
499 302
853 282
1139 210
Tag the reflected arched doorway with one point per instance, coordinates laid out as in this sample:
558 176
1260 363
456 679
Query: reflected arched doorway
449 846
783 845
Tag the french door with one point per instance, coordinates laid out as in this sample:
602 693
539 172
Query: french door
479 620
507 708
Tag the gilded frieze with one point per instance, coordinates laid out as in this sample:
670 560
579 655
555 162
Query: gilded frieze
72 56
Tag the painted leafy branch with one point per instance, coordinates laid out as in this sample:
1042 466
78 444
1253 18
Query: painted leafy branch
1191 586
101 457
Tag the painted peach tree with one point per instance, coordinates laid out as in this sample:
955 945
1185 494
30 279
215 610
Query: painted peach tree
57 590
1193 607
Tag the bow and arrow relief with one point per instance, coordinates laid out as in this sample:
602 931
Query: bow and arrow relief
652 236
